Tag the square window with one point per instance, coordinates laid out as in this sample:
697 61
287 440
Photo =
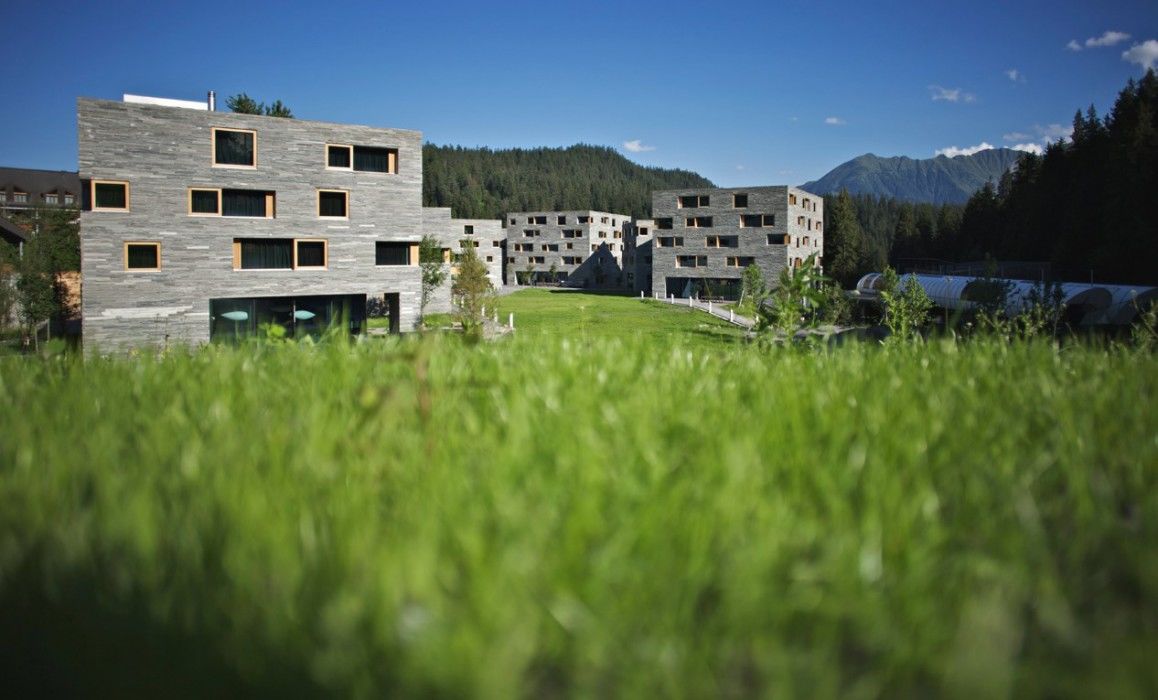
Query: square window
310 254
142 256
235 148
333 204
468 229
562 221
69 199
739 201
204 201
110 196
339 157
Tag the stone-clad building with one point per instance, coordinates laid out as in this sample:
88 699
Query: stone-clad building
486 236
199 224
704 238
637 255
572 248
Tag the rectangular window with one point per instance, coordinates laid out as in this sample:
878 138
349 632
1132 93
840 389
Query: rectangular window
205 202
142 256
739 201
530 233
691 201
800 221
669 241
108 196
244 203
757 220
691 261
539 259
334 204
468 229
51 199
69 199
584 219
391 253
512 222
777 239
20 197
310 254
739 261
792 199
562 220
723 241
819 224
699 222
339 157
663 224
490 258
234 148
371 159
279 253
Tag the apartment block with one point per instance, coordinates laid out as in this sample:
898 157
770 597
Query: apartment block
704 238
199 225
571 248
637 255
486 236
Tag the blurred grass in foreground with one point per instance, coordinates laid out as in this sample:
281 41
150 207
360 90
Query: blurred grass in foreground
599 517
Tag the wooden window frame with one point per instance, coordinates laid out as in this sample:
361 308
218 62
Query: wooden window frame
349 149
270 203
325 253
125 257
318 210
128 195
213 148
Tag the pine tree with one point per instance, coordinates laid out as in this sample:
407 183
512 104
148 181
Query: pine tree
845 246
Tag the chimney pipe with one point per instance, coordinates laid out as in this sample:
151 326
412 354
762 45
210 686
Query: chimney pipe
212 101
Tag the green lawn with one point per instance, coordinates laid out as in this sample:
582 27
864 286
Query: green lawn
632 516
586 315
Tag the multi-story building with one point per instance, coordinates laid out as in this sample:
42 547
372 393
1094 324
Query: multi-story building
704 238
637 255
24 189
199 224
486 236
572 248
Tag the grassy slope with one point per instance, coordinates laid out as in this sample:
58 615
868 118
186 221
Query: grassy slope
582 315
621 516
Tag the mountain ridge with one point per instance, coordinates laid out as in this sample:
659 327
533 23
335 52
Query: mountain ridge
937 180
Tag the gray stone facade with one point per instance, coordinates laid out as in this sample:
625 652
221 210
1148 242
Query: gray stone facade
486 235
162 152
580 248
704 238
637 255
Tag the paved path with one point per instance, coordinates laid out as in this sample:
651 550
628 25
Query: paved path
721 312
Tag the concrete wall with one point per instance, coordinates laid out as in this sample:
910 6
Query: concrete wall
452 234
163 151
797 217
600 244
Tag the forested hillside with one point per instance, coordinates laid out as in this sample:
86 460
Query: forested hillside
939 180
484 183
1087 206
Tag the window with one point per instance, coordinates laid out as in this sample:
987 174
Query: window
339 157
691 261
603 234
806 240
310 254
69 199
777 239
562 220
51 199
279 253
554 247
699 222
530 233
643 231
732 261
512 222
663 224
584 219
572 233
691 201
142 256
669 241
234 148
393 253
468 229
538 259
739 201
490 258
496 244
334 204
792 199
510 260
723 241
20 197
371 159
570 246
807 203
107 196
536 220
757 220
222 202
819 225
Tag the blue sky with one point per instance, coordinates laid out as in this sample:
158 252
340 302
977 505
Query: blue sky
744 93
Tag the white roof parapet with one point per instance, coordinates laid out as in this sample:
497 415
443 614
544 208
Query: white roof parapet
166 102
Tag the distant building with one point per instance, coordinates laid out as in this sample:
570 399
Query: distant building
486 236
571 248
200 225
22 189
637 254
704 238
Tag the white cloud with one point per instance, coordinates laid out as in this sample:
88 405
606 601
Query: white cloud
834 121
953 151
1015 75
739 167
1016 136
1029 148
1053 132
1144 54
1106 39
950 94
636 146
1074 45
